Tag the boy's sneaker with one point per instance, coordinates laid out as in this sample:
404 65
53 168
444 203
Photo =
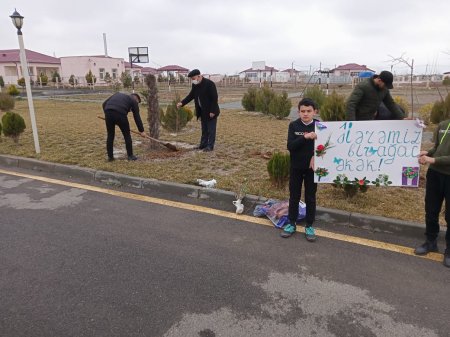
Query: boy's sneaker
288 230
132 158
310 234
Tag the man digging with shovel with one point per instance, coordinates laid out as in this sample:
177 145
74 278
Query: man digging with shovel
116 109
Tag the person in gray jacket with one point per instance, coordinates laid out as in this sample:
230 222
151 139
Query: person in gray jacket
365 99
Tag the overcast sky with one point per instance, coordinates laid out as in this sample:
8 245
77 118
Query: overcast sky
226 36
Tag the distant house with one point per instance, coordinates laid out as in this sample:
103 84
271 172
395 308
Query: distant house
258 75
446 74
134 71
350 69
11 70
99 65
149 71
173 69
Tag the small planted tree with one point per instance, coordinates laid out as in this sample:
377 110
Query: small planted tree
56 78
126 80
153 109
174 119
7 102
43 79
249 99
13 125
278 169
2 83
12 90
440 110
333 109
263 98
90 78
280 106
72 80
316 94
21 82
107 78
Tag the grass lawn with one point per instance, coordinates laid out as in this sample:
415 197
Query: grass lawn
70 133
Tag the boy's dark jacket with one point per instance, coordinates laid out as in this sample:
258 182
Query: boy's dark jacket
365 99
207 92
441 150
301 149
121 104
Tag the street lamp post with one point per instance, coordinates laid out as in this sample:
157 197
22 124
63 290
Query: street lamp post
17 20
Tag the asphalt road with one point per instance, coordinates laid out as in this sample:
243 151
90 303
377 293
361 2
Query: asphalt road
80 263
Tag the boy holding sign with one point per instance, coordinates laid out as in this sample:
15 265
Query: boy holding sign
300 144
437 190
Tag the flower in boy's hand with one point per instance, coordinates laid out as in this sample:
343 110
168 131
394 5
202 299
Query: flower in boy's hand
361 182
320 147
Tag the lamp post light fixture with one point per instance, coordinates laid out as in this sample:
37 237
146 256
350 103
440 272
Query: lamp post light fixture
17 20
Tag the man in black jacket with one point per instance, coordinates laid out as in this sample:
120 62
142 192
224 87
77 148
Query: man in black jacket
204 94
116 109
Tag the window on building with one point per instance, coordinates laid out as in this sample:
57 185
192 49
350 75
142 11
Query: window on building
114 73
101 73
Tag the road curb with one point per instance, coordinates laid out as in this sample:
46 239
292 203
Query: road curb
214 198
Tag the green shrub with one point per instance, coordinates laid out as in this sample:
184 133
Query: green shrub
12 90
7 102
280 105
13 125
56 78
446 81
249 99
316 94
440 110
2 83
425 112
0 129
278 168
21 82
72 80
174 119
333 109
126 80
43 79
402 103
90 78
263 98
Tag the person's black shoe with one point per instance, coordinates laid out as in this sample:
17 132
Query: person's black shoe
199 147
132 158
207 149
427 247
447 257
110 159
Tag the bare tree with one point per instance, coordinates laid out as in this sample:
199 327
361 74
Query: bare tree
153 110
410 64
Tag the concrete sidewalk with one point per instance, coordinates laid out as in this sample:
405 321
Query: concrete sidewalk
213 198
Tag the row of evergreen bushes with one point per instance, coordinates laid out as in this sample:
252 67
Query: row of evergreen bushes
267 101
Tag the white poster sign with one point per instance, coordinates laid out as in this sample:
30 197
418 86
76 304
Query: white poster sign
368 150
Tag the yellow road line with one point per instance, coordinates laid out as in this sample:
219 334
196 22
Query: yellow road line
321 233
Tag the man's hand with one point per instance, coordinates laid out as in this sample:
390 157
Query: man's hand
143 134
211 115
426 160
311 163
422 153
310 135
179 105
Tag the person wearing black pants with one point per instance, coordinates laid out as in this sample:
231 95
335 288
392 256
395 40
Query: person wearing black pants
300 143
204 94
437 190
116 109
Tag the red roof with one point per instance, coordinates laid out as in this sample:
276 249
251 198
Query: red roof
149 70
353 66
289 70
128 65
251 70
173 67
12 55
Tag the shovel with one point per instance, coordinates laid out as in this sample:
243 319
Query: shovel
168 145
